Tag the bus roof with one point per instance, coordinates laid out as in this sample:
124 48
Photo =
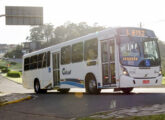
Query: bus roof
113 31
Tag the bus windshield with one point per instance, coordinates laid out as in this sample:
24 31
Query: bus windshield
139 51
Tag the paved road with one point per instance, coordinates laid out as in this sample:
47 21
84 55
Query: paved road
65 106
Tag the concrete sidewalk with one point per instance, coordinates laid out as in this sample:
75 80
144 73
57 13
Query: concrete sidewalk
8 86
11 92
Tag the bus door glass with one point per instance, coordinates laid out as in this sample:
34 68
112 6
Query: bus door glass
108 61
56 69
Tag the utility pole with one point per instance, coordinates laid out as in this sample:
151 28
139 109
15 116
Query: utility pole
140 24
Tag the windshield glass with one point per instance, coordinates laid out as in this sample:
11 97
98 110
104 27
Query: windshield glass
139 51
150 50
130 49
151 53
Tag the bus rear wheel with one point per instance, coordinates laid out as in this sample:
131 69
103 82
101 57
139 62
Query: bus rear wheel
37 88
126 90
91 85
64 90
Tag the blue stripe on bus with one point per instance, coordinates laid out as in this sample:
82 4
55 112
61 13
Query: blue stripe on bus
73 83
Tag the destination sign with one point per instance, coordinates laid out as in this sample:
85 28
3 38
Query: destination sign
136 32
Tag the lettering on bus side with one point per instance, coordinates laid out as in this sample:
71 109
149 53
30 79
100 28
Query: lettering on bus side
66 72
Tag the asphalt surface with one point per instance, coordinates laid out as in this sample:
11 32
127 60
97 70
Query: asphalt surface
56 106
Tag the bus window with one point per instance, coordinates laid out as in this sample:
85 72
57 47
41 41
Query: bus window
48 59
112 50
26 64
65 55
91 49
40 57
33 62
77 52
104 50
129 49
44 60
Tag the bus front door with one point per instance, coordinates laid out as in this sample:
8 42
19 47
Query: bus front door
56 69
108 62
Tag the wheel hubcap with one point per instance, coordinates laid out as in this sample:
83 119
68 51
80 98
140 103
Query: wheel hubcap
37 86
92 84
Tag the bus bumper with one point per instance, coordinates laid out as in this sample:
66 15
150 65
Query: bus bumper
126 81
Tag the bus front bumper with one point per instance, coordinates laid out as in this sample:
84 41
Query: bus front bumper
126 81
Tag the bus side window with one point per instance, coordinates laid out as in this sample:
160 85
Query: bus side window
66 55
44 60
40 57
91 49
26 64
77 52
48 59
35 62
31 63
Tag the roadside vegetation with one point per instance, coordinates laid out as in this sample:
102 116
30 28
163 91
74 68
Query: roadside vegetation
11 70
150 117
10 65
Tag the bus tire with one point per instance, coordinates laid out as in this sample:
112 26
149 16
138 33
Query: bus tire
127 90
64 90
91 85
43 90
37 88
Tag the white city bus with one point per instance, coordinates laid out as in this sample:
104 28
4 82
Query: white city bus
118 58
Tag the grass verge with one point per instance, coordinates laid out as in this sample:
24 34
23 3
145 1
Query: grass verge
150 117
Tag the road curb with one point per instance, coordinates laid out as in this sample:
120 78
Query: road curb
16 101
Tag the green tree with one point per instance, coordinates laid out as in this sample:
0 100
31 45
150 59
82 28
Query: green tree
41 33
162 49
70 31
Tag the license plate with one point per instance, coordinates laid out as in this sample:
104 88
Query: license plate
146 81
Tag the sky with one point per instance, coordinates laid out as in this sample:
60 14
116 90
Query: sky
109 13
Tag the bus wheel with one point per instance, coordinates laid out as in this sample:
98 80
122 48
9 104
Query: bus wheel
63 91
91 85
37 87
126 90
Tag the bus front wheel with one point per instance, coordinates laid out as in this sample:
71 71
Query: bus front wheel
91 85
127 90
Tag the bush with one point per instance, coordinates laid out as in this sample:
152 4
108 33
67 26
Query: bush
13 63
15 74
1 67
5 70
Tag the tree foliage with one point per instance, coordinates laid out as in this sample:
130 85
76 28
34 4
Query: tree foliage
62 33
162 50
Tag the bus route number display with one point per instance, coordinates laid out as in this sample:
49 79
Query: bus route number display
135 32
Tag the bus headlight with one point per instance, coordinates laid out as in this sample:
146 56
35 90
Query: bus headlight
160 72
125 72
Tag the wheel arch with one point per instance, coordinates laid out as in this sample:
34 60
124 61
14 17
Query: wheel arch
90 74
